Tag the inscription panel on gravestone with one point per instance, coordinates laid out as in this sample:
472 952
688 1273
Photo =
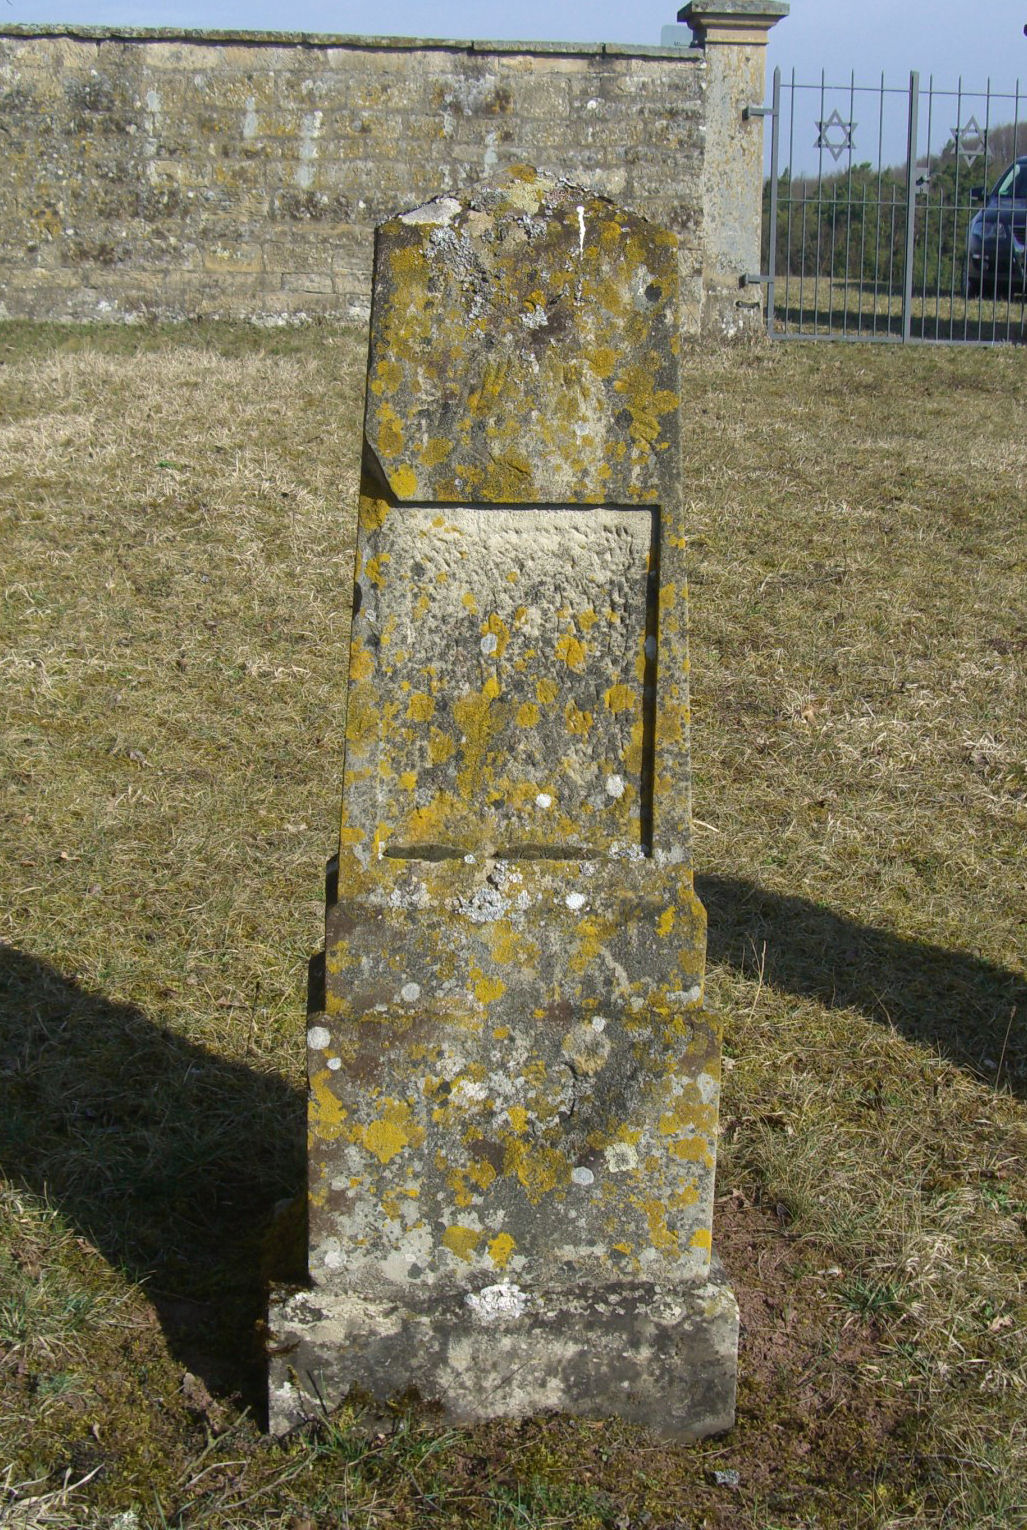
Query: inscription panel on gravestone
512 652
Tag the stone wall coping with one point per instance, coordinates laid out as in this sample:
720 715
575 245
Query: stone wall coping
320 40
750 10
732 23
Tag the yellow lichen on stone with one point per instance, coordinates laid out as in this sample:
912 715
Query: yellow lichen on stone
404 481
619 698
391 1133
461 1241
327 1114
661 1236
501 1247
465 1182
577 721
471 714
436 451
693 1150
539 1168
361 663
688 1195
572 651
495 627
390 1206
487 989
390 429
590 935
440 747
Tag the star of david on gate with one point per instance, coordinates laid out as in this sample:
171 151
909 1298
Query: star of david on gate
828 136
970 140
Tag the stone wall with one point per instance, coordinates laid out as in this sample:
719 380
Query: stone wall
165 174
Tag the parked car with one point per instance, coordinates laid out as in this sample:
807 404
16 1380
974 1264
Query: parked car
996 245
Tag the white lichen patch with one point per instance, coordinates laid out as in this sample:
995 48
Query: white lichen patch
318 1037
543 800
708 1088
582 1176
485 906
468 1091
536 319
502 1303
626 852
614 786
410 992
574 901
685 995
620 1157
332 1256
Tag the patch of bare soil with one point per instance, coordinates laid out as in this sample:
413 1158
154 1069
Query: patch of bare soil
818 1435
814 1419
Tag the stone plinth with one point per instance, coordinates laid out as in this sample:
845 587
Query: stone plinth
514 1084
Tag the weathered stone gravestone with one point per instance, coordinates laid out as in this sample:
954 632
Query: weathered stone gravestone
514 1085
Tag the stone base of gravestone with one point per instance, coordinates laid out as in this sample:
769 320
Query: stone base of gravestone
514 1083
662 1356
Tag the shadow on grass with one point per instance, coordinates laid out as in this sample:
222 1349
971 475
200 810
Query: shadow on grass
970 1010
838 322
171 1160
166 1157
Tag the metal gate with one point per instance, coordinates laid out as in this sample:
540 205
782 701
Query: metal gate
888 214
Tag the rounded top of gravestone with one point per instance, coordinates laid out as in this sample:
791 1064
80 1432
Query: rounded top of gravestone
524 349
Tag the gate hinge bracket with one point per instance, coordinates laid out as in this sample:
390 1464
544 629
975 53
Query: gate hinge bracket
752 279
749 112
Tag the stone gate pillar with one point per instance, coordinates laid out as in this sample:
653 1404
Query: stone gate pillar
514 1084
733 35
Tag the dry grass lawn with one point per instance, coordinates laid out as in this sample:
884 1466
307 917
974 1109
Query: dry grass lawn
175 544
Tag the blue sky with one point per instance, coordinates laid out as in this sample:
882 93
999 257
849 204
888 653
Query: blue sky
943 36
946 38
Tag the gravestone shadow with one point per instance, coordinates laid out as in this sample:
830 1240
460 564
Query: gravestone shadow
972 1011
169 1159
172 1160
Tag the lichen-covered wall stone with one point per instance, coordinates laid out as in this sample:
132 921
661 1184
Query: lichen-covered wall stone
163 174
514 1082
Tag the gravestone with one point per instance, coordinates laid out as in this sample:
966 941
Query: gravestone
514 1084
